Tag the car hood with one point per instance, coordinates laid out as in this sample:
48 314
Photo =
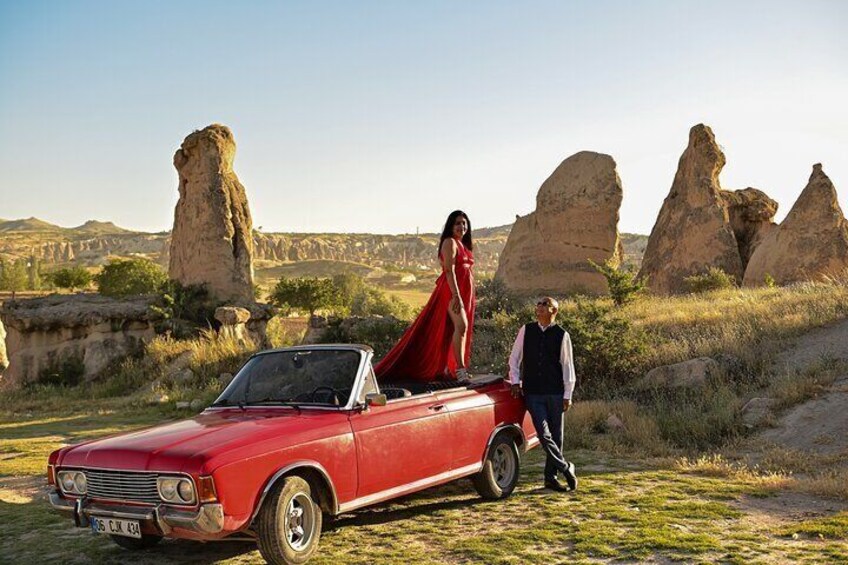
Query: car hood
185 445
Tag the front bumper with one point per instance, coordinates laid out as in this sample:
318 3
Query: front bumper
207 520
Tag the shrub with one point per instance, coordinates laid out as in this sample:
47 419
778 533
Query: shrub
71 278
607 349
183 308
305 294
65 371
374 302
130 277
713 279
493 297
623 285
380 333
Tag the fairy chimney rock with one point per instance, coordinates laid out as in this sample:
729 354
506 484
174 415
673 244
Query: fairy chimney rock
212 241
751 213
576 219
810 243
693 231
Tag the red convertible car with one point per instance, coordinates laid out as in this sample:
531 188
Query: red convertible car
300 432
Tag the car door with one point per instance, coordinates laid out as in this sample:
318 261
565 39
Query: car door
472 415
405 441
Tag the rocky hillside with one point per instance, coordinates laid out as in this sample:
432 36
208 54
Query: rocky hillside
94 243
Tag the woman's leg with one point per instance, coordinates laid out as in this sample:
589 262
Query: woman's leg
460 331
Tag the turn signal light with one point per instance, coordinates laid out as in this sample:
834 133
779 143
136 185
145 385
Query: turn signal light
206 490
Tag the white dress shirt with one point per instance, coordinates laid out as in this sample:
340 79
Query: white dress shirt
566 357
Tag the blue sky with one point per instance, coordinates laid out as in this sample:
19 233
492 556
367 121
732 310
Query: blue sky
385 116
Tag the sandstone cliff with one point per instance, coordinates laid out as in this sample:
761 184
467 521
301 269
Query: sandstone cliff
693 231
811 242
576 219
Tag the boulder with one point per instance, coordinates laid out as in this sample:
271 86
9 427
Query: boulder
693 373
810 243
614 424
212 242
232 315
693 231
751 214
576 219
757 411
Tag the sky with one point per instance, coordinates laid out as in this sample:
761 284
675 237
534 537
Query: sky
383 117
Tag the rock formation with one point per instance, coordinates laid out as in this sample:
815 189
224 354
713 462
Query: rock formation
576 219
78 334
693 231
212 241
233 322
811 242
751 214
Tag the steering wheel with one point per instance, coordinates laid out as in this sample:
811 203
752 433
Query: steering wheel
338 397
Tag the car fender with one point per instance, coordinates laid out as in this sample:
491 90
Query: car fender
305 465
514 431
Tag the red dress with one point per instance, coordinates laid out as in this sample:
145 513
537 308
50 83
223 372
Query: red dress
425 348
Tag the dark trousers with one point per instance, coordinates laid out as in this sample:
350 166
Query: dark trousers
546 411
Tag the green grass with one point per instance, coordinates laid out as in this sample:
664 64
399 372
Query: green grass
626 509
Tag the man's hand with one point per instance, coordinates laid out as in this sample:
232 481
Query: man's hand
566 404
516 391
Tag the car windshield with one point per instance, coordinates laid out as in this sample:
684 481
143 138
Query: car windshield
322 377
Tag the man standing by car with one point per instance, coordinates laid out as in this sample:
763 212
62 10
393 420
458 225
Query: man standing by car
541 367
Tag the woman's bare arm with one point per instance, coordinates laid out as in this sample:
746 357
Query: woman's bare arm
449 251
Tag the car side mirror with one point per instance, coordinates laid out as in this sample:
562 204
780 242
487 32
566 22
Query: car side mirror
375 399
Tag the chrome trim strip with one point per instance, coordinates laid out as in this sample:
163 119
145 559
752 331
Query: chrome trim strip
155 474
305 464
409 488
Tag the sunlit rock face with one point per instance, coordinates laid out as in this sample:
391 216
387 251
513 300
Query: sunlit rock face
212 240
810 244
68 337
693 231
576 219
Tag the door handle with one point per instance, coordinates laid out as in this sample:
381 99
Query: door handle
436 407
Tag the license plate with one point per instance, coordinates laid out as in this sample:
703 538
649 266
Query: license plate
115 527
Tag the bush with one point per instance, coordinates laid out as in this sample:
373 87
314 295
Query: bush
184 308
71 278
493 297
380 333
66 371
608 351
130 277
305 294
374 302
623 285
713 279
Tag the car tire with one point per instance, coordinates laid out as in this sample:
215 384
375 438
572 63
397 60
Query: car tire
499 475
289 523
144 542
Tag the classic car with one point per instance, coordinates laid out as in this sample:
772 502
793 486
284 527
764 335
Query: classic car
299 433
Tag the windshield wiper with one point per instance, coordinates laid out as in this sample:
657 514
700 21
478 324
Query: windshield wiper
275 402
226 402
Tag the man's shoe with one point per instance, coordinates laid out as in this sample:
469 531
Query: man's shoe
570 476
554 484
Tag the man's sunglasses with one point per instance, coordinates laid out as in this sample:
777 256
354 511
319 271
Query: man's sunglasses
544 303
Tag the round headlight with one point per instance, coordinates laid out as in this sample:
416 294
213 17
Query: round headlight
186 491
67 480
80 482
168 488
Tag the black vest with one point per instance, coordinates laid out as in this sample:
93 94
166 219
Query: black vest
541 369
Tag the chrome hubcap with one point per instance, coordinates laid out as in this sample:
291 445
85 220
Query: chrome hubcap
503 465
299 521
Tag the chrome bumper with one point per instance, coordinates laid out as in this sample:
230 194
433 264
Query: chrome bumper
208 519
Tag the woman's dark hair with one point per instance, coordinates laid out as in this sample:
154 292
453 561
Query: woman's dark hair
448 231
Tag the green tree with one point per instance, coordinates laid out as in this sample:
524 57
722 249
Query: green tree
623 285
129 277
305 294
493 296
348 287
71 277
14 276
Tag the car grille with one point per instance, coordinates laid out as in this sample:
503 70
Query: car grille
122 485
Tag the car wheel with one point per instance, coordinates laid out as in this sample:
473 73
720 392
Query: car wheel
289 523
144 542
499 475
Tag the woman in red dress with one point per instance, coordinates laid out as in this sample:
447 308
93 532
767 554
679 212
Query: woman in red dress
438 343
